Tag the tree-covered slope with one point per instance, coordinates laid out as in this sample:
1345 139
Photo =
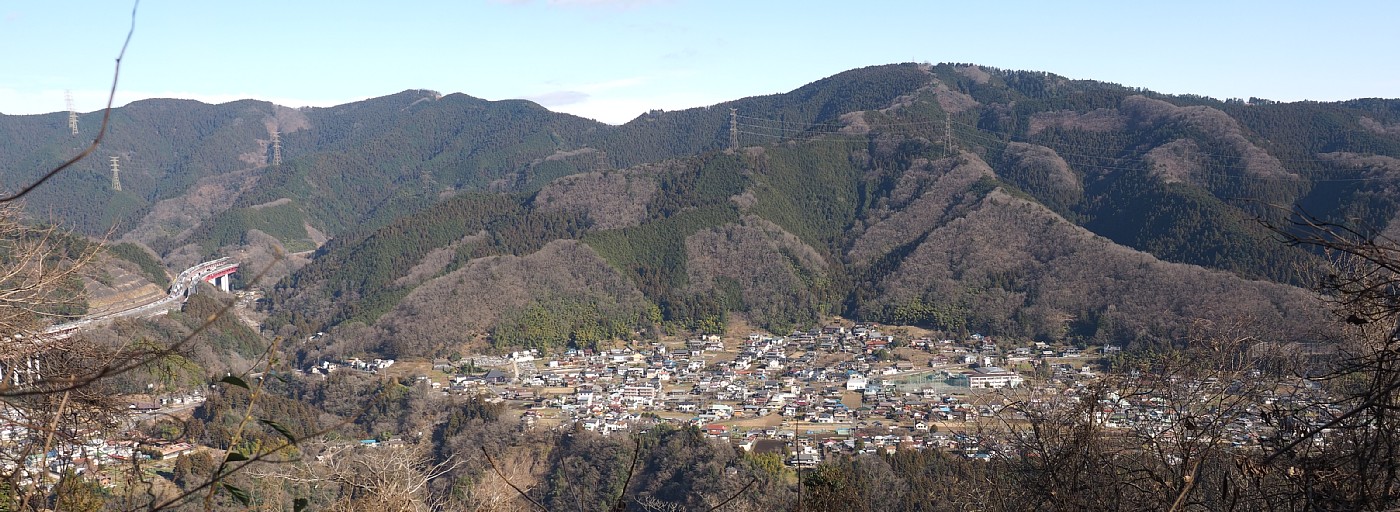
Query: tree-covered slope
359 165
840 197
951 196
946 245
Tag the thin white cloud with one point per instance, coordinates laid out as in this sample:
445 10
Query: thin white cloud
684 55
595 88
558 98
16 102
619 110
620 100
621 83
603 3
574 94
612 4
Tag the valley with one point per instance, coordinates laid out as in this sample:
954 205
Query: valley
922 276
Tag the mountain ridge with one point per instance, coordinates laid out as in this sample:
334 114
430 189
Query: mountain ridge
834 188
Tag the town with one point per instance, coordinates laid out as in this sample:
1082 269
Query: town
842 389
804 397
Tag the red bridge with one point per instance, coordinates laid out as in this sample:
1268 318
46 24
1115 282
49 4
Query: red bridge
214 272
218 274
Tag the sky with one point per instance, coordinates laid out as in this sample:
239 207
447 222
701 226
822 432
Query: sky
612 60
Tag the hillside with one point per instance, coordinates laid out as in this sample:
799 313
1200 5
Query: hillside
949 248
952 197
955 197
196 177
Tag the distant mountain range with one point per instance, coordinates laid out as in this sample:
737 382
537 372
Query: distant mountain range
955 197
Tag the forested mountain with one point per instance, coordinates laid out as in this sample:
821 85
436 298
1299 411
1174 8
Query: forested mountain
198 174
193 173
442 231
956 197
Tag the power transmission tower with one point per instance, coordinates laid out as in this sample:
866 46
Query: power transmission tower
72 113
116 174
734 128
948 134
601 160
277 147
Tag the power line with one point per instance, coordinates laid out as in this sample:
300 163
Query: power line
797 126
785 130
775 139
947 136
733 129
794 123
1317 175
1306 161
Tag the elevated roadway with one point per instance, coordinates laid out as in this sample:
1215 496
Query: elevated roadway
20 356
214 271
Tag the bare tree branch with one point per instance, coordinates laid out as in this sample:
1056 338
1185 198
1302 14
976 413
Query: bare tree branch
512 485
101 132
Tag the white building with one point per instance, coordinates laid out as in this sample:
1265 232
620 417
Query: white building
856 382
991 377
638 395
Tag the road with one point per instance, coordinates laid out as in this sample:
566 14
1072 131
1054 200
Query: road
176 296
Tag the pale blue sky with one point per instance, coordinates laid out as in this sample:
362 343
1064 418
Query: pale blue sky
614 59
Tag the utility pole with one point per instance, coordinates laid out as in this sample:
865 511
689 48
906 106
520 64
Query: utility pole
116 174
72 113
276 147
734 129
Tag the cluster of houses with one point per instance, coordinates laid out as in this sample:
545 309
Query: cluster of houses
836 389
86 451
326 367
835 375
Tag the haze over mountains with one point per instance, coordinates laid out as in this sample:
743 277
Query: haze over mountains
955 197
